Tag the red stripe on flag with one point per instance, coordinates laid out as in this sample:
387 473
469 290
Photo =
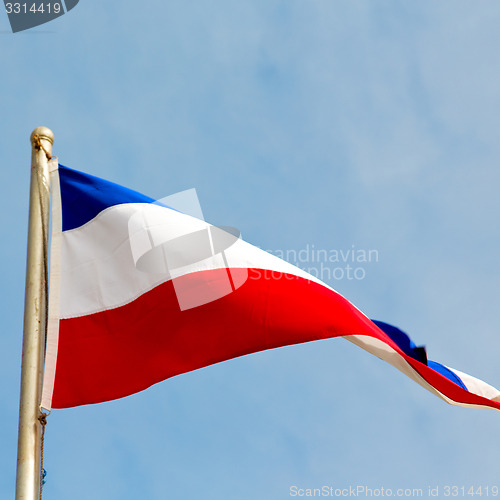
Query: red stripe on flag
122 351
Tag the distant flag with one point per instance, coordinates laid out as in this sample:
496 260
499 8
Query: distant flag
140 291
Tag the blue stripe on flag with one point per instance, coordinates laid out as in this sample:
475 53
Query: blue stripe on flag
411 349
449 374
403 341
84 196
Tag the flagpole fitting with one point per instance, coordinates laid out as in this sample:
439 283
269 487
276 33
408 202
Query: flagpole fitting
42 135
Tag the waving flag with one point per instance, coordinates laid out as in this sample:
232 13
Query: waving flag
141 292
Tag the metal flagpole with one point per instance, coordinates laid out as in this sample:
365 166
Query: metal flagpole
35 319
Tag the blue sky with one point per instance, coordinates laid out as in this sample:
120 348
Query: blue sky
325 123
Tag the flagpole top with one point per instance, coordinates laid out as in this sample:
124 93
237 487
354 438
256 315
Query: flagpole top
43 133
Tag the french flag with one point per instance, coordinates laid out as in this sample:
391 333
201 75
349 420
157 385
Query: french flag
140 291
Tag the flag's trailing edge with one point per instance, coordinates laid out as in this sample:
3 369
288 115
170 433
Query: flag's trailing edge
117 327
